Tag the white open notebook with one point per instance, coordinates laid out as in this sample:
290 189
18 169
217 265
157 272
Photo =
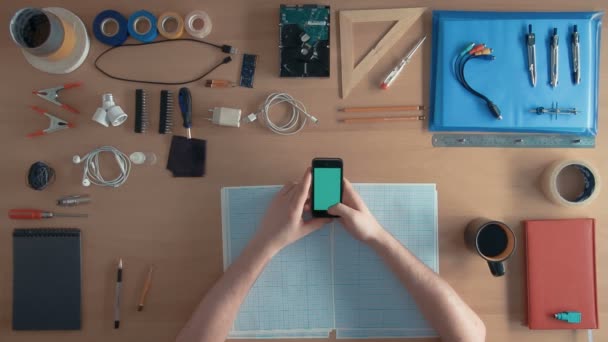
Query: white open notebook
328 280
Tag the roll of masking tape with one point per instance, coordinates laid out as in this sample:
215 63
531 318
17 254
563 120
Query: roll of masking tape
102 31
198 24
148 19
165 20
591 187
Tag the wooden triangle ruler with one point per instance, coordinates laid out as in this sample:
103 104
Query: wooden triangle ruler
351 74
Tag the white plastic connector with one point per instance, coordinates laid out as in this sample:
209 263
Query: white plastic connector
109 112
120 163
223 116
107 101
116 116
251 117
101 117
76 159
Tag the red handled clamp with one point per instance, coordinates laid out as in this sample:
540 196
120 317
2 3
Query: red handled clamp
56 124
51 95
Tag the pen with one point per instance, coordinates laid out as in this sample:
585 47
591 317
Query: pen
117 296
554 58
397 70
144 291
531 43
576 66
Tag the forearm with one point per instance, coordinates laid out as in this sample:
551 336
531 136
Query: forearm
439 303
215 314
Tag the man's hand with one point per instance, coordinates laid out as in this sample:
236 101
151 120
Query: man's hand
283 223
355 216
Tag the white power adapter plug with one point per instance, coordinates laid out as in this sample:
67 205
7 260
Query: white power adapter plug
223 116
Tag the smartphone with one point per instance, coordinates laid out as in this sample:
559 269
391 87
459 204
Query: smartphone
326 185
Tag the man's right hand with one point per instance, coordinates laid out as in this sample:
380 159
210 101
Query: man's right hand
355 216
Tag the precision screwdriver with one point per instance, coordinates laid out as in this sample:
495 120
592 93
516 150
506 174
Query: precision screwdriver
34 214
397 69
185 105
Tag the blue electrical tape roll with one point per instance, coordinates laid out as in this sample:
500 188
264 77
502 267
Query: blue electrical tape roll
110 38
147 36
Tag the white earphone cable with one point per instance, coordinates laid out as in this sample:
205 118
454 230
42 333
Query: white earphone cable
92 169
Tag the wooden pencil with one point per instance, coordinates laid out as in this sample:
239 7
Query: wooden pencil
383 119
145 290
381 109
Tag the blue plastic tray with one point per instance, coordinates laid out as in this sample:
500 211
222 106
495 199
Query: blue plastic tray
506 80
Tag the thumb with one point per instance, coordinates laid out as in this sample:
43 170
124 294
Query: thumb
341 210
314 224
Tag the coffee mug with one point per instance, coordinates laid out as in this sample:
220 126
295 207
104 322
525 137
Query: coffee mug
492 240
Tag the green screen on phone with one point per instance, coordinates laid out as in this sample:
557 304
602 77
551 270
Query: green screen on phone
326 188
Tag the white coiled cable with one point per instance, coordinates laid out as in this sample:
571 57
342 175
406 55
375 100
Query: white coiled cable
92 170
297 121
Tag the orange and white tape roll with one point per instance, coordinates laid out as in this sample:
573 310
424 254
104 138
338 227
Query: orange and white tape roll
163 22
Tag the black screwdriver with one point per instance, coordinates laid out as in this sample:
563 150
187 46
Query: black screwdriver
185 105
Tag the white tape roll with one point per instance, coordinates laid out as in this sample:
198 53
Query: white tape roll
191 24
78 54
591 186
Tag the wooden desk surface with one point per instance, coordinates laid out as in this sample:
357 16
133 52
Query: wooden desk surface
175 225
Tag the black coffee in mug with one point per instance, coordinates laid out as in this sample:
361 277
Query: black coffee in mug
492 240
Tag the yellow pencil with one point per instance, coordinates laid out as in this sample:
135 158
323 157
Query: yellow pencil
383 119
381 109
145 290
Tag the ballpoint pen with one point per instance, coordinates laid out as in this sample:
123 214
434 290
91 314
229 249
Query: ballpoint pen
397 70
117 295
531 43
554 58
576 61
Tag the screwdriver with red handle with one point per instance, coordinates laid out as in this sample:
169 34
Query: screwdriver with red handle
35 214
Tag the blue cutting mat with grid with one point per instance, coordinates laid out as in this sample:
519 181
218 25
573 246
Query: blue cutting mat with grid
328 280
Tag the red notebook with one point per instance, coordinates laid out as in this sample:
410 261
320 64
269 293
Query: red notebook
560 258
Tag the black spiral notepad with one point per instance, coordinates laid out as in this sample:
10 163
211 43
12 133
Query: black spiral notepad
46 279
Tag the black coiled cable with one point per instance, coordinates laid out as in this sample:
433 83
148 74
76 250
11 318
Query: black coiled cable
40 175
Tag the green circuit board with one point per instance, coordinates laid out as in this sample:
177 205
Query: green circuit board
304 40
313 19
